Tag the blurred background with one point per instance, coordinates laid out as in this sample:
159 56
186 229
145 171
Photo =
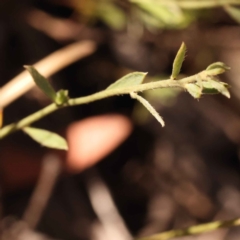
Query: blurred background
153 179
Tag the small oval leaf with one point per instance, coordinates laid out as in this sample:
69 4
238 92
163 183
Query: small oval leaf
177 64
217 68
194 90
218 65
42 83
212 85
128 80
221 87
46 138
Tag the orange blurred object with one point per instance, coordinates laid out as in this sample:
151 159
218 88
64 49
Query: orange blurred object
92 139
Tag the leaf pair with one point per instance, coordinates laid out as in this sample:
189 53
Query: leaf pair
208 83
217 68
215 86
44 137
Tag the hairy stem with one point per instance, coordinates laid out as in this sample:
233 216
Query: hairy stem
202 228
27 120
186 4
94 97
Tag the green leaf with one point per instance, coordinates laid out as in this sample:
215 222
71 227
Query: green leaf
61 97
217 68
112 15
218 65
131 79
163 12
210 91
177 64
46 138
194 90
149 107
234 12
221 87
200 4
42 83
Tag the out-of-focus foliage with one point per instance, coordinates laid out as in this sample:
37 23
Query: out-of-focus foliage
106 10
152 14
111 14
159 14
234 12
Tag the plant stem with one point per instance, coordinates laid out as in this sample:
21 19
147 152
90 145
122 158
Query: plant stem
27 120
137 88
94 97
186 4
202 228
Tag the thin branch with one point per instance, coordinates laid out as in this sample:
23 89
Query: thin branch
104 207
197 229
27 120
186 4
51 169
94 97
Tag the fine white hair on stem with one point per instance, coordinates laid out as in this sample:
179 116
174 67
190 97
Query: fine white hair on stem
149 107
